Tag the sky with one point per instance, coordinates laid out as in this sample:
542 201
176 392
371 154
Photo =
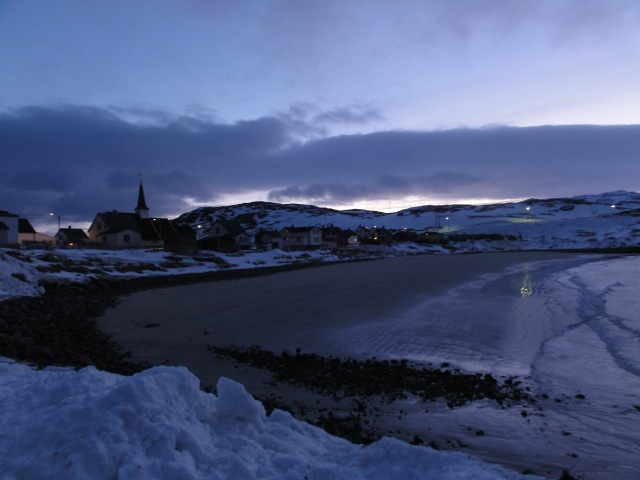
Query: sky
362 104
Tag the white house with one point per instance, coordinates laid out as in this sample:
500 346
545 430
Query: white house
123 230
301 237
126 230
269 239
9 228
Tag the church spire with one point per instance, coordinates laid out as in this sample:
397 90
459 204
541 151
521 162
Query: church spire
141 208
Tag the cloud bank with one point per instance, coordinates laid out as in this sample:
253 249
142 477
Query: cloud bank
77 160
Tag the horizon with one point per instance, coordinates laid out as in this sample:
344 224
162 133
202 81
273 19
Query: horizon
50 227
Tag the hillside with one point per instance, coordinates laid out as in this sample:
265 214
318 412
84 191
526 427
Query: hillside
604 220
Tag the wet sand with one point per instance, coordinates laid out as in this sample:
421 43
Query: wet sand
286 311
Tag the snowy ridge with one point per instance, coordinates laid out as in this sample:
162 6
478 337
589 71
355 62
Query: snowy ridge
158 424
607 220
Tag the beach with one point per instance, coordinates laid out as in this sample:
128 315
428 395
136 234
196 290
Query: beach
298 309
514 315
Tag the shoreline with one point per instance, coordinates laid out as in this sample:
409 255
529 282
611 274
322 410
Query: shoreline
181 326
106 351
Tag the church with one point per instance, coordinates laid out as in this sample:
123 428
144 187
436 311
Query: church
136 230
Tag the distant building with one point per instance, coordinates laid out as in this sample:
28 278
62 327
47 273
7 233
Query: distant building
405 235
335 237
123 230
71 237
26 232
9 229
30 238
300 238
375 235
269 239
179 239
131 230
226 236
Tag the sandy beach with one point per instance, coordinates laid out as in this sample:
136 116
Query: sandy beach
298 309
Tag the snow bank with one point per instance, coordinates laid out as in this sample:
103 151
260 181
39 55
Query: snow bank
17 278
60 423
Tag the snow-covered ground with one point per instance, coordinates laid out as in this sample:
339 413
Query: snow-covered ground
60 423
21 270
573 330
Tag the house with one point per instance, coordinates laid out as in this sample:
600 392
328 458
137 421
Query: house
123 230
269 239
9 229
405 235
177 238
4 234
300 238
363 233
226 236
222 227
431 236
350 238
376 235
335 237
30 238
126 230
26 232
71 237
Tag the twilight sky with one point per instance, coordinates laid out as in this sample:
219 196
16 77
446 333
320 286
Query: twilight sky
363 103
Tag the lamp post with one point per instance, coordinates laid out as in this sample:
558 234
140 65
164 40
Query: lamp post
51 214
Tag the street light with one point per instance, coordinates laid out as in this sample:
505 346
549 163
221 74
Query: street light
51 214
447 219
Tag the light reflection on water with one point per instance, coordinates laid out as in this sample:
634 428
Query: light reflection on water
526 288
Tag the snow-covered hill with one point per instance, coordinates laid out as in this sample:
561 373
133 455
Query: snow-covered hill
606 220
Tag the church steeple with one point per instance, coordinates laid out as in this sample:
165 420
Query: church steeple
141 208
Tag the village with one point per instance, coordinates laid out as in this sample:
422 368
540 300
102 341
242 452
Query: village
137 229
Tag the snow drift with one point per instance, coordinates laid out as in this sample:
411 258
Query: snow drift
60 423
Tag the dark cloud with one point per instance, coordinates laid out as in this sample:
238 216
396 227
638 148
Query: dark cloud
306 120
382 188
76 161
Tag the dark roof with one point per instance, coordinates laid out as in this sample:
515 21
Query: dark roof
142 204
148 229
4 213
337 231
74 234
231 226
120 221
298 229
164 226
3 226
182 228
271 233
24 226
